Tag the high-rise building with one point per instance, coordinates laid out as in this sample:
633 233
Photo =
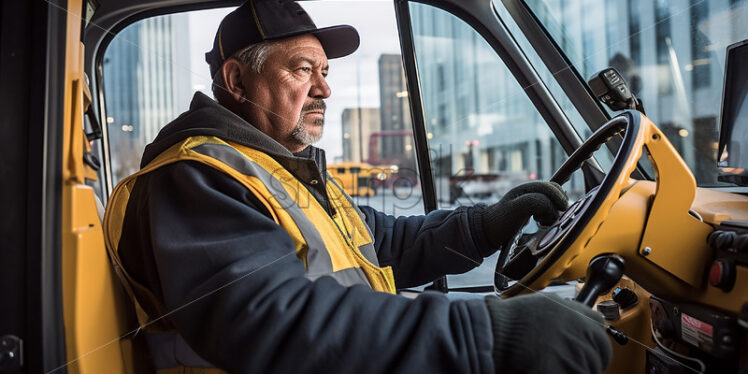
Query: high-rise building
395 111
355 142
478 118
147 84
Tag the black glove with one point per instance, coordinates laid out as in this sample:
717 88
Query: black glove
542 333
543 200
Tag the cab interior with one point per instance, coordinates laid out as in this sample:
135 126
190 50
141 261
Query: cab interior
651 199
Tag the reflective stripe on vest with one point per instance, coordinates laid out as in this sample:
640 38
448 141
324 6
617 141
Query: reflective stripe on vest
317 258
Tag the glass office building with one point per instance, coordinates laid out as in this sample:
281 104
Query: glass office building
147 84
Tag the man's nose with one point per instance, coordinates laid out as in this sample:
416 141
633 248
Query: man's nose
319 89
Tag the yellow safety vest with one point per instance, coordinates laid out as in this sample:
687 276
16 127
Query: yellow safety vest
340 246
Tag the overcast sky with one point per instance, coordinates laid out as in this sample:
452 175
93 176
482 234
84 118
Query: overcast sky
376 24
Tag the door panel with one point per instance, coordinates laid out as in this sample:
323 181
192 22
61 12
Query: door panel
97 319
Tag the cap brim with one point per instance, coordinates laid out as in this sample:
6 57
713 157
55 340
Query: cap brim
338 41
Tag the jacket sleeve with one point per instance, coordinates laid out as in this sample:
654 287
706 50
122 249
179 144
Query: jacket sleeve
238 294
423 248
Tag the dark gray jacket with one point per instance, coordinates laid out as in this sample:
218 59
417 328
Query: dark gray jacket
209 250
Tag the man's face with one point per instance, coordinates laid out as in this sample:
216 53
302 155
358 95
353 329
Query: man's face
285 101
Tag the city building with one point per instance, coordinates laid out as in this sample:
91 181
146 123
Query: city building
395 112
358 125
479 119
147 84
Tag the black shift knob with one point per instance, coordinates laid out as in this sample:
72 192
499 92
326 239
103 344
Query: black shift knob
602 274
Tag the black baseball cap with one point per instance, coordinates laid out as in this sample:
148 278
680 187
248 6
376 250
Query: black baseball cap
260 20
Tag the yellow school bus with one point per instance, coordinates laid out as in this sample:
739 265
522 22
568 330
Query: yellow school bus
358 178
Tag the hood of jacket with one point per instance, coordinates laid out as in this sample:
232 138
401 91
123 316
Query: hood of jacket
206 117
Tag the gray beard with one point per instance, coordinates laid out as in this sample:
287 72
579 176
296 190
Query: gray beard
301 135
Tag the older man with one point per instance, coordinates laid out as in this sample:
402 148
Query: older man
240 252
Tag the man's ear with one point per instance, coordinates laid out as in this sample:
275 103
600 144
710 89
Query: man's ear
232 77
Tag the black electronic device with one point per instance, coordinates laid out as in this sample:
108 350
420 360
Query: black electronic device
733 138
708 333
609 86
694 337
625 297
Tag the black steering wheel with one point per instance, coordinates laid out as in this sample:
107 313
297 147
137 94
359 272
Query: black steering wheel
525 257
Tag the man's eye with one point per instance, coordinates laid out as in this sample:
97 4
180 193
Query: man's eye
306 69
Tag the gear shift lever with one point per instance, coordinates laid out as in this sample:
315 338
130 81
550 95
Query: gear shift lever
602 274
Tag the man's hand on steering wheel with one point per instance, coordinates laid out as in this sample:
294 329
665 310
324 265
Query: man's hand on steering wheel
501 221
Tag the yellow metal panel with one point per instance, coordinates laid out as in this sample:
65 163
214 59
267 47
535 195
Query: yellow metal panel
94 310
648 275
674 239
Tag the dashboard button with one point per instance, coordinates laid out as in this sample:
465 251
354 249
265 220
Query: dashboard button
722 274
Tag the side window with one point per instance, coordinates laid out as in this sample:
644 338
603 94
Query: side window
147 83
485 136
153 67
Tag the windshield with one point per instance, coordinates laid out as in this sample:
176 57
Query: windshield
671 53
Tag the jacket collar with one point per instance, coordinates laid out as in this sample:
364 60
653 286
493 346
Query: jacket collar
206 117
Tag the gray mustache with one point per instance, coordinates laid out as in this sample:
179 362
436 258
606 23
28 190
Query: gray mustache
314 105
